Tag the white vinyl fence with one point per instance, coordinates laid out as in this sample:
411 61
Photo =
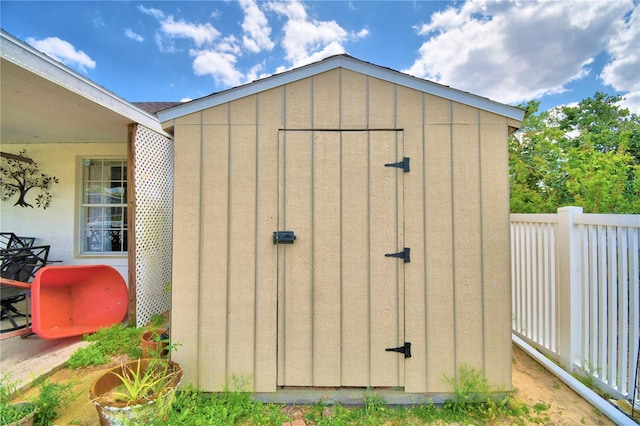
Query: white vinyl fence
576 292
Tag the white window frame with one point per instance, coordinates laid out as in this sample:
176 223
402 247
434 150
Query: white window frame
108 231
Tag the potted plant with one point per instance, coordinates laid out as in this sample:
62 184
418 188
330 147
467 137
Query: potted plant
136 392
154 343
14 414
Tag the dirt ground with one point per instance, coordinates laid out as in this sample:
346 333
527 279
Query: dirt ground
533 383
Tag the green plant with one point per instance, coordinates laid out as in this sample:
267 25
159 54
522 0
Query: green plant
52 397
156 320
232 406
107 342
141 383
9 412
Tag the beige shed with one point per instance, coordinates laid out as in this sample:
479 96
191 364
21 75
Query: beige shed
341 225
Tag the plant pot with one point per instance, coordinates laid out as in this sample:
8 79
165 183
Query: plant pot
153 344
27 420
120 413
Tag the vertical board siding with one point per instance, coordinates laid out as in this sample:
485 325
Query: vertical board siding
326 236
214 240
326 240
384 303
353 100
410 116
241 241
494 169
230 171
355 269
438 218
467 241
185 292
269 119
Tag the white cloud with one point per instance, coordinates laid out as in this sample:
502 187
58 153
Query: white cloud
631 101
515 51
64 52
219 65
156 13
307 39
256 28
200 34
623 71
304 40
133 36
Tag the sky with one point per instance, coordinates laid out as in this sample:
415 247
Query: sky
554 52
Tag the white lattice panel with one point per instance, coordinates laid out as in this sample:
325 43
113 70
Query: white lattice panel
153 223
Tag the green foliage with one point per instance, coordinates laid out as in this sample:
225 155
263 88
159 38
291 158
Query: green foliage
586 155
156 320
233 406
141 383
10 413
476 401
107 342
52 397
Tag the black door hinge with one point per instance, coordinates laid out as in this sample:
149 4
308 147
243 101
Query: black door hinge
406 349
404 254
404 164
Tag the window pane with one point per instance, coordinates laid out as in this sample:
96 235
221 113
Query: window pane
115 217
92 171
92 193
114 194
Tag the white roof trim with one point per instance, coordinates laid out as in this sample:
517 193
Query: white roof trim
349 63
25 56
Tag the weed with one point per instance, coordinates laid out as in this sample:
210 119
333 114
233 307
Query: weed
52 397
540 407
107 342
230 407
10 413
156 320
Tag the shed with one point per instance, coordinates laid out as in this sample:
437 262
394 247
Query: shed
395 270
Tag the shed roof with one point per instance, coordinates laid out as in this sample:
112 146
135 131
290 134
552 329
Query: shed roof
349 63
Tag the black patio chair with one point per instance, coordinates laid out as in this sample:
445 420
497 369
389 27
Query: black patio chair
18 264
22 263
10 240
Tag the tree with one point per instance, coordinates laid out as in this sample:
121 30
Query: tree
586 155
20 174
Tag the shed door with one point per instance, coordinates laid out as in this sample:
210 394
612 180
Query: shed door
340 300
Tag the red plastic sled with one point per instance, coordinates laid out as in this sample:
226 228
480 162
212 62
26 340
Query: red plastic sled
76 299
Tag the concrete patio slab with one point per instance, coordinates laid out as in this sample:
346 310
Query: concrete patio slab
26 359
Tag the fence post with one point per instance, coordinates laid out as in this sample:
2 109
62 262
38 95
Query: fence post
569 299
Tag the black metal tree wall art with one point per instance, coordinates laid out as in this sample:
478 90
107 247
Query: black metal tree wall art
19 174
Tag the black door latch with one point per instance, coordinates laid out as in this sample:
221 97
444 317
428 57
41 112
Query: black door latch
406 349
283 237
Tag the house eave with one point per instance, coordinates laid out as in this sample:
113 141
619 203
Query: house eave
25 56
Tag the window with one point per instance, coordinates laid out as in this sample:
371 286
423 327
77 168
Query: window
104 206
